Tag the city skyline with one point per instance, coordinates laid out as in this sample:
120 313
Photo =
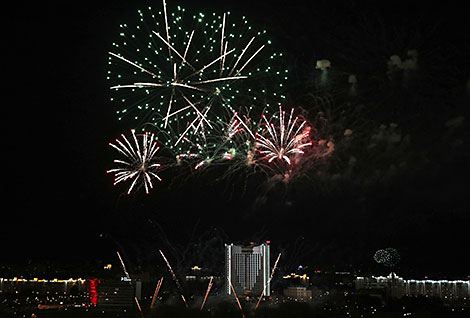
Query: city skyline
409 195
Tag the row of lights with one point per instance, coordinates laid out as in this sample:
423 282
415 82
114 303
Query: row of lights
36 280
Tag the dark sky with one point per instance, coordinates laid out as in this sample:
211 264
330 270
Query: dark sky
58 198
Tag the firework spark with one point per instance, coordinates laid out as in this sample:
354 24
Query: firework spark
270 278
236 298
155 294
174 277
139 164
184 300
207 292
138 306
170 269
285 140
123 266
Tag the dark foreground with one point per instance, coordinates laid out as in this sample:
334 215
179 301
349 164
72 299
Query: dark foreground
408 307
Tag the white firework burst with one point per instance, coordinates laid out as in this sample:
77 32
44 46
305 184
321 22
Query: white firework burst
284 140
388 257
139 163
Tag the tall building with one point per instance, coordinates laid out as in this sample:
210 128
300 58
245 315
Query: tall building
247 268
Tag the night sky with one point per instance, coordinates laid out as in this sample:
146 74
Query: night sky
60 204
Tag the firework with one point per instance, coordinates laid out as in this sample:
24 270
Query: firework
207 292
270 278
171 270
285 140
388 257
139 161
174 277
227 140
184 300
138 306
236 298
182 73
123 266
155 294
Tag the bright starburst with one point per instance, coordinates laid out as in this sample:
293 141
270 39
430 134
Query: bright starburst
388 257
284 140
183 74
139 163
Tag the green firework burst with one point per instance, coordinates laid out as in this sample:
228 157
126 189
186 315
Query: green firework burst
183 75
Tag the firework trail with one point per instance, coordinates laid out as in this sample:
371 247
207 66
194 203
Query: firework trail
283 141
236 298
207 292
174 277
171 270
183 75
138 306
270 278
155 294
184 300
139 161
123 266
129 277
259 300
275 266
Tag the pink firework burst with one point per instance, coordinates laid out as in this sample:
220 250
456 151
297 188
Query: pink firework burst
285 140
138 163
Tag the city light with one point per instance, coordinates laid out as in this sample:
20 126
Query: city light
36 280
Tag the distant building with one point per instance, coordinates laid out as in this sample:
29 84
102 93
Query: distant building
300 293
247 268
200 274
196 273
296 279
397 287
114 295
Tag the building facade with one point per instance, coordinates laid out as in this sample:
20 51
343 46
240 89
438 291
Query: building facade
299 293
398 287
247 269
